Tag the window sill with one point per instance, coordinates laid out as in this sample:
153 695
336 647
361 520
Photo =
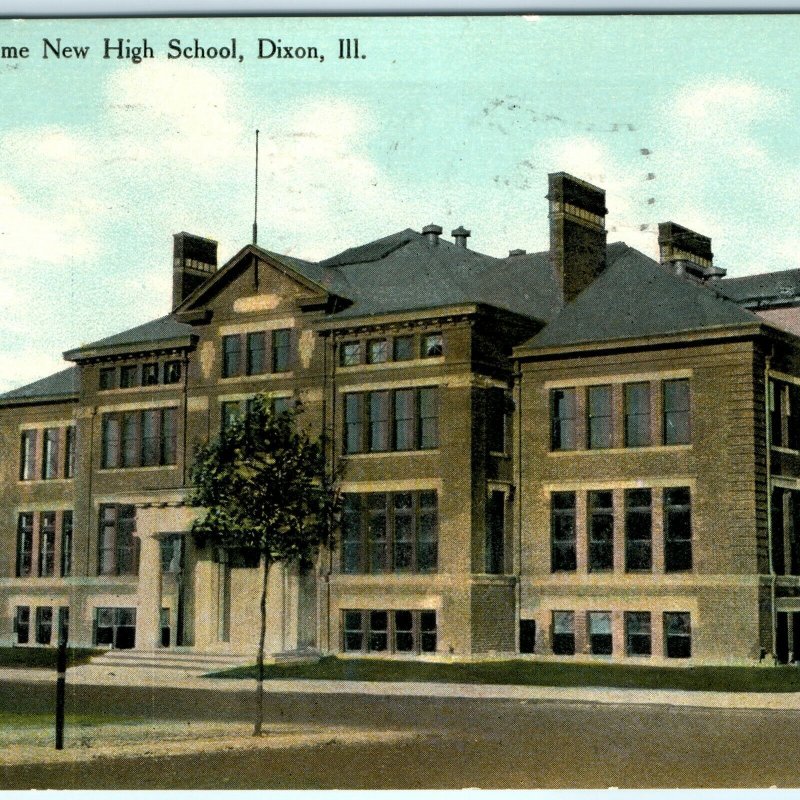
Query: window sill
411 362
660 448
128 390
786 450
43 481
384 453
114 470
270 376
497 454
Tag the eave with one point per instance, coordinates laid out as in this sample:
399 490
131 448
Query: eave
131 350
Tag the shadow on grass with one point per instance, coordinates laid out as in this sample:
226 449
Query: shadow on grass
43 657
533 673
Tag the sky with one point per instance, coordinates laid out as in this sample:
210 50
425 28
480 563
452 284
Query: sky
448 120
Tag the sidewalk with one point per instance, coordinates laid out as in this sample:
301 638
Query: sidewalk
175 679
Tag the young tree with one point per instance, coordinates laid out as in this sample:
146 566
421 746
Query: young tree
263 486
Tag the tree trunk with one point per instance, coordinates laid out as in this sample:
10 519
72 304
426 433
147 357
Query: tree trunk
260 662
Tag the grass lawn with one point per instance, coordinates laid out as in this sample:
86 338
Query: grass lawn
42 657
10 719
532 673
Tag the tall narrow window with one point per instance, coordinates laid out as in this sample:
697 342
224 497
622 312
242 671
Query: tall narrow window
118 549
110 447
776 413
44 624
677 634
353 423
428 544
169 435
793 417
353 631
378 533
404 419
562 525
130 439
564 633
676 412
27 456
24 545
495 533
256 353
50 454
403 632
351 534
601 531
47 543
428 399
150 438
404 533
69 452
677 530
637 633
66 544
600 417
22 624
600 641
497 420
229 413
562 419
637 415
281 350
378 422
378 631
231 356
638 530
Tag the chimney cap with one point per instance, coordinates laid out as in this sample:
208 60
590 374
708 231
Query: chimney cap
517 252
461 231
436 230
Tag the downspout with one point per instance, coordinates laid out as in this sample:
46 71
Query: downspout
517 376
768 429
89 490
184 457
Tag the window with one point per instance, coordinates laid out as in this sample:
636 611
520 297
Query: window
676 412
145 438
776 413
256 353
350 354
377 351
677 530
601 531
44 624
63 624
432 345
793 417
47 543
22 624
172 372
600 417
24 545
395 532
378 422
129 376
403 348
637 633
600 641
118 551
637 414
562 525
50 454
280 405
400 631
497 420
638 530
527 636
66 544
404 419
564 633
27 458
115 627
231 356
171 553
677 634
562 419
281 350
69 452
229 413
108 378
495 533
149 374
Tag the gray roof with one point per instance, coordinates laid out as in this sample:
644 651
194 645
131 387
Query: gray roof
634 298
158 330
767 288
60 384
406 272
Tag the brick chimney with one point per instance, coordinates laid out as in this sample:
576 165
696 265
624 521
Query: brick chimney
577 232
194 261
686 252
